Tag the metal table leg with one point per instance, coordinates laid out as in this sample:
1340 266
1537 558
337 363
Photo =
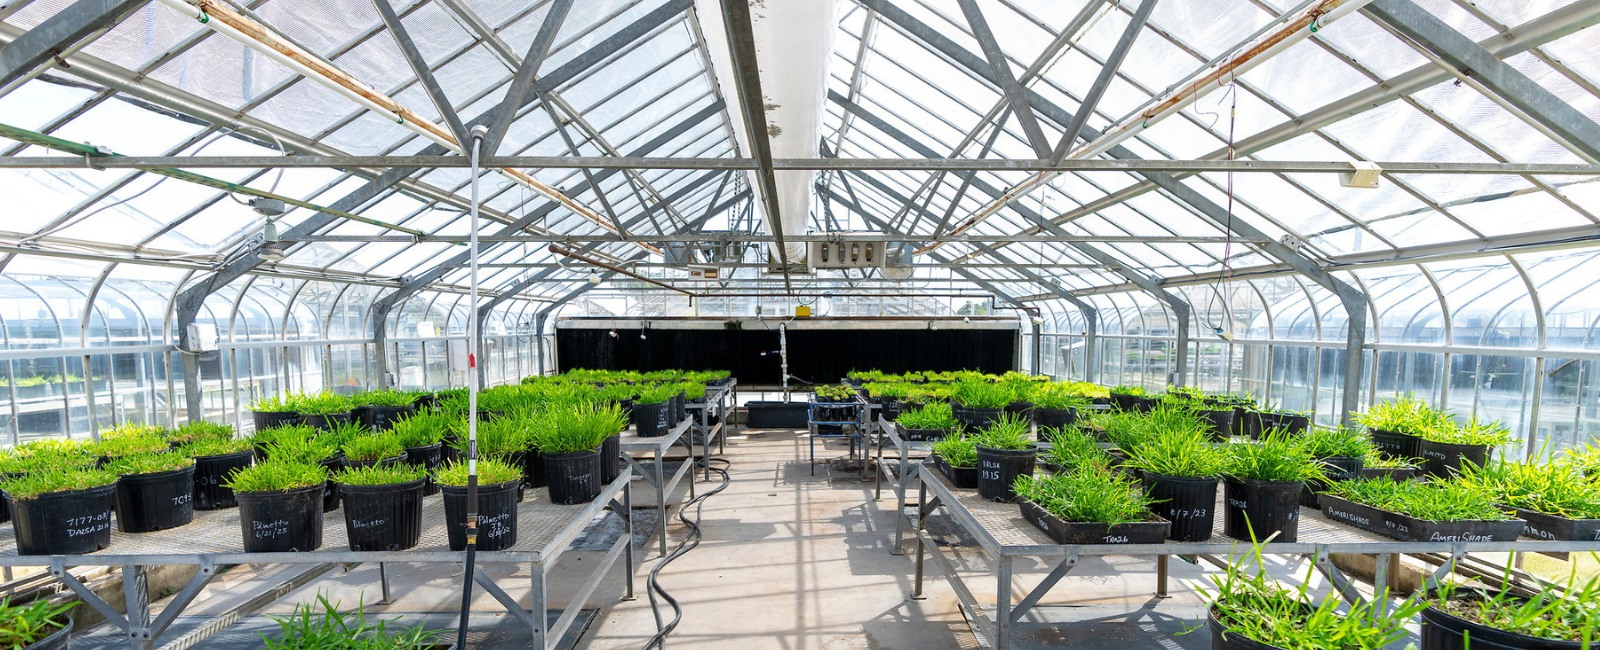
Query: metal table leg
1002 605
922 549
537 622
136 596
661 500
907 472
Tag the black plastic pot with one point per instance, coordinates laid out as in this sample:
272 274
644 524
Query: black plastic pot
652 420
1442 630
1334 468
1128 402
1396 445
210 472
1350 513
428 457
382 418
1293 423
326 422
1444 460
1220 423
610 459
1246 422
64 523
1222 640
376 462
573 477
679 412
965 478
999 468
270 419
1548 527
532 464
919 435
974 418
1076 532
281 522
5 504
330 491
1054 418
57 641
497 516
151 502
383 517
1019 408
1391 473
1262 508
1189 503
1410 529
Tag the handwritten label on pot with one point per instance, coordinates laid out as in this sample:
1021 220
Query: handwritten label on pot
88 524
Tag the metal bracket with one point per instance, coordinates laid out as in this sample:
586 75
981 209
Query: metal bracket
511 605
208 570
58 571
1065 566
1457 553
1340 582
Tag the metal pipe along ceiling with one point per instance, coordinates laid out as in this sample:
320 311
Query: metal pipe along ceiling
794 42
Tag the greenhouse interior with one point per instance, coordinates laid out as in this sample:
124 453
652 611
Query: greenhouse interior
791 324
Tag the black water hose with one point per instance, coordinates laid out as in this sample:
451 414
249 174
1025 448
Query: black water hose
688 543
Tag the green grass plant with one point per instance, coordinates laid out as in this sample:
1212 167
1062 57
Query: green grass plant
1557 490
1071 449
1407 414
372 447
1135 391
656 394
310 449
380 474
1335 442
956 451
49 480
138 464
1564 612
1272 458
831 393
1088 495
128 446
1474 432
422 429
1056 396
272 404
497 437
134 430
324 403
215 447
1450 500
980 394
1009 431
276 475
931 416
392 398
323 625
25 623
1181 453
578 427
491 471
199 430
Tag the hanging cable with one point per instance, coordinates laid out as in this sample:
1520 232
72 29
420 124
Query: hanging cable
688 543
1223 289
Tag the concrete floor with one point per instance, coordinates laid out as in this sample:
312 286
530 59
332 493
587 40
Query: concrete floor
789 561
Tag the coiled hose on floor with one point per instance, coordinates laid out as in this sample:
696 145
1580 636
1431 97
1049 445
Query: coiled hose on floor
688 543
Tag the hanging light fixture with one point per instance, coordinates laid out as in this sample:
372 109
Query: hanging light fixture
271 249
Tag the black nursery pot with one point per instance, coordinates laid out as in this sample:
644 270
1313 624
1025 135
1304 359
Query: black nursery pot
975 419
532 463
382 418
1292 422
428 457
64 523
1335 468
573 477
1262 508
57 641
1127 402
1189 503
497 516
151 502
270 419
652 420
1442 630
1396 445
377 462
999 468
383 517
1019 408
1443 460
210 472
679 411
1246 422
965 478
1054 418
1220 422
610 459
330 490
281 522
1391 473
326 422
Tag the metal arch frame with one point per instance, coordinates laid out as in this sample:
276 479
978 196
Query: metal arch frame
189 300
1475 65
1354 301
59 33
1144 282
379 313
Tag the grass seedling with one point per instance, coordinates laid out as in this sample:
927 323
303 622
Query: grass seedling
956 451
379 475
933 416
50 480
199 430
577 427
1071 449
1405 414
826 393
1009 432
276 476
372 447
497 437
128 446
1273 458
324 403
1182 453
1088 495
1337 442
1556 490
491 471
390 398
138 464
215 447
323 625
656 394
981 394
1569 612
22 625
422 429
